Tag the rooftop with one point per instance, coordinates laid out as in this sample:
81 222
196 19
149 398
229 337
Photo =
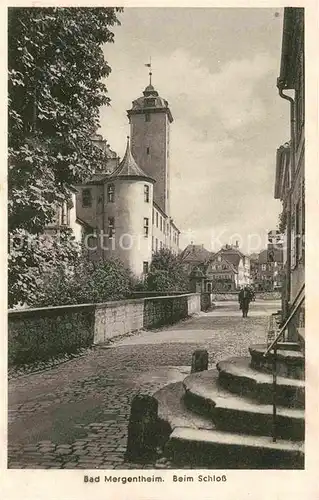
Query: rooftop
128 167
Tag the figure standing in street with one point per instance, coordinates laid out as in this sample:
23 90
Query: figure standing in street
244 298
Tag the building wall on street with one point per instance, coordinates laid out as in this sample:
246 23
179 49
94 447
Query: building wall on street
290 174
297 240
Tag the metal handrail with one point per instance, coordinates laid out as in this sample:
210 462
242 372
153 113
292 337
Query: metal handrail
286 323
274 346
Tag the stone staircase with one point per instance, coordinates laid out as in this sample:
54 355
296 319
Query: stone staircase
222 418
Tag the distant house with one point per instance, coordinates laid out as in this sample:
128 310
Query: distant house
268 271
222 274
195 257
240 264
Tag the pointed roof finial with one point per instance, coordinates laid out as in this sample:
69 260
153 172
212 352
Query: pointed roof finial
128 166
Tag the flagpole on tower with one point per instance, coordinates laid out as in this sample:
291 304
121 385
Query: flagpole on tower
150 73
149 65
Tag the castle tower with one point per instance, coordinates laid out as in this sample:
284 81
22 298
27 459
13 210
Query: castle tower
150 119
128 214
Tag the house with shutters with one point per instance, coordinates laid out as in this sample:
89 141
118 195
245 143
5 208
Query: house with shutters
222 274
195 257
237 264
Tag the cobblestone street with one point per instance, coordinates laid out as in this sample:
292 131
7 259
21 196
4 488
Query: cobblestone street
75 415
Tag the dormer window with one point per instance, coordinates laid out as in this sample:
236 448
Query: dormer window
150 101
110 193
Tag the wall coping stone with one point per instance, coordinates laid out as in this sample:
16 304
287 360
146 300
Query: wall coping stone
167 297
57 309
15 313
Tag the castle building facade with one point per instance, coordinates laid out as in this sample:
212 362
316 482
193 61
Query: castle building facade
128 203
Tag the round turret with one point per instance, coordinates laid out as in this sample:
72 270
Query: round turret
128 218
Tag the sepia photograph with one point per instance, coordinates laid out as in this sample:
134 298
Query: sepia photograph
156 241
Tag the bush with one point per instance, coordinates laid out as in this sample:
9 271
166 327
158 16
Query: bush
89 282
166 273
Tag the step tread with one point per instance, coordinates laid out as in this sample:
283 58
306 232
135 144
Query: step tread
231 438
301 332
205 385
172 409
284 354
240 367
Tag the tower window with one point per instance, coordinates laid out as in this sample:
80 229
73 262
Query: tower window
111 228
145 267
86 198
146 227
146 193
110 193
150 102
65 214
147 117
147 150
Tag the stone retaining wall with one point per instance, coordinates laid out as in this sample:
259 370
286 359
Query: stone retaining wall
161 311
45 333
117 318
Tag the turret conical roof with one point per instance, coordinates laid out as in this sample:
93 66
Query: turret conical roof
128 167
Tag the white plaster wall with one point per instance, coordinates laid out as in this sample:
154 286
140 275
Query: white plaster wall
152 134
129 210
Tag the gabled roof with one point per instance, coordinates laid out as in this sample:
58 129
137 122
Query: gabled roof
232 254
128 167
225 260
196 253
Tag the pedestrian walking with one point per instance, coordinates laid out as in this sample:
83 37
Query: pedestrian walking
244 298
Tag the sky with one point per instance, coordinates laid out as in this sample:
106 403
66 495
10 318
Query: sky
217 68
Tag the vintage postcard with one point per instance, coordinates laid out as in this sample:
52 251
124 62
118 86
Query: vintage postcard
161 187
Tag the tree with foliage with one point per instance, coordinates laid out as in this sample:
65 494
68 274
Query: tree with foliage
166 273
56 66
88 282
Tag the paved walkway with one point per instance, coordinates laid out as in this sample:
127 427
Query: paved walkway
75 415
